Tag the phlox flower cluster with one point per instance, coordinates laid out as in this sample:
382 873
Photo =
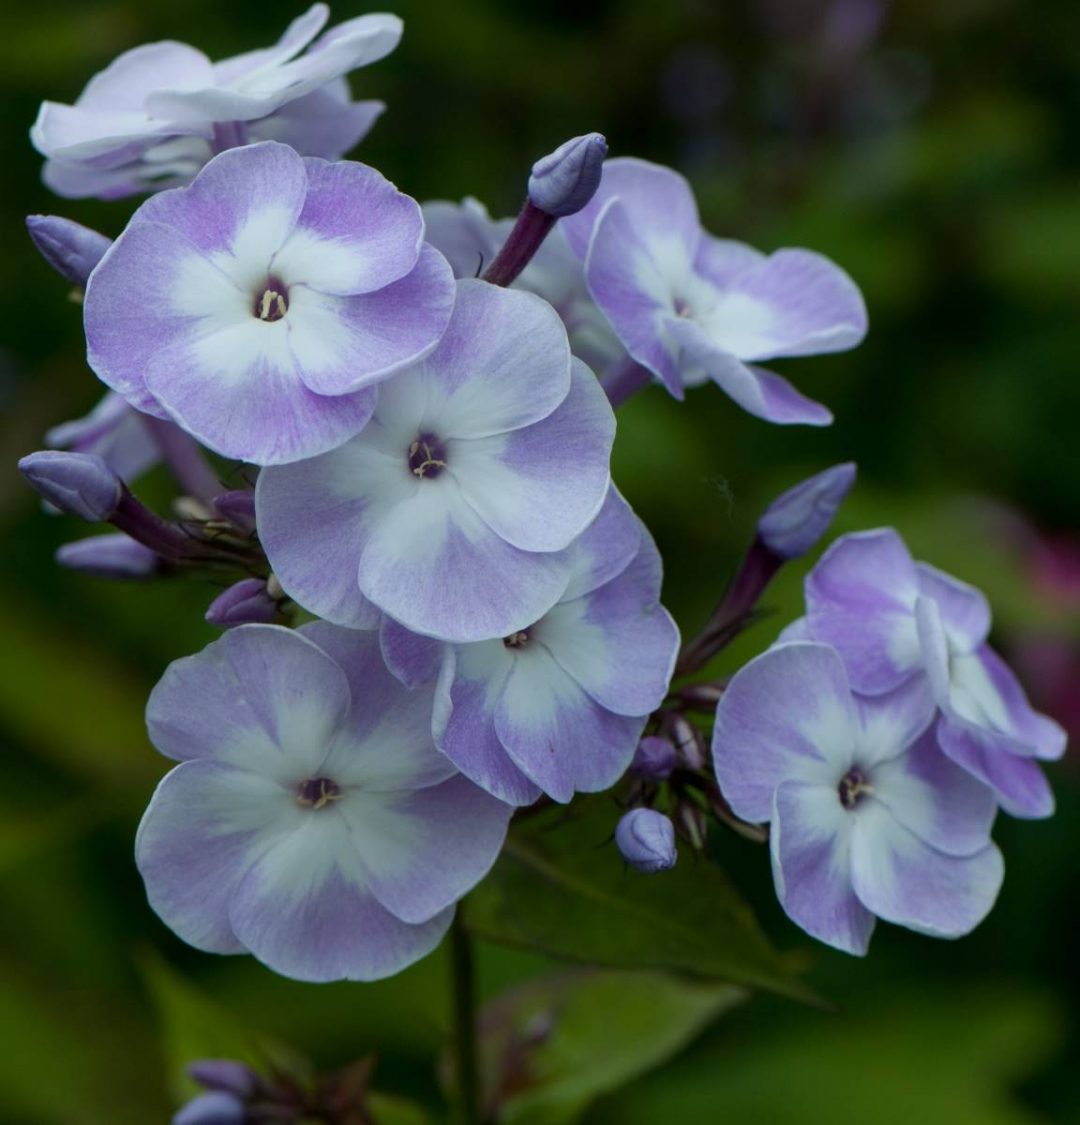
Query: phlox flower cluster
413 407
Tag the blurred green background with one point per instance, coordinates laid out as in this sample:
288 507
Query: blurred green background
930 148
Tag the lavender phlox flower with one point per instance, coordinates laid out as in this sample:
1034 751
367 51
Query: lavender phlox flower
158 112
246 602
113 431
562 182
452 509
78 484
689 307
892 620
257 307
311 821
70 248
469 238
217 1107
115 556
655 758
867 816
646 840
558 705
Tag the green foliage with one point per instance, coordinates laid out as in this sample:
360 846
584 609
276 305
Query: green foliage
553 1045
561 887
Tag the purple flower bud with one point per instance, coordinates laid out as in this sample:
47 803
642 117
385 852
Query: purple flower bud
215 1108
238 507
110 556
80 484
646 839
244 603
565 180
226 1075
795 521
655 758
70 248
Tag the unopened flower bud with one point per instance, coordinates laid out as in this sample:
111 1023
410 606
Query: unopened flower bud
214 1108
70 248
688 740
80 484
795 521
244 603
226 1075
110 556
565 180
646 839
238 507
654 759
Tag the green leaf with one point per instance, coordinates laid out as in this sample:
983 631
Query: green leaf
386 1109
560 887
553 1045
194 1027
933 1059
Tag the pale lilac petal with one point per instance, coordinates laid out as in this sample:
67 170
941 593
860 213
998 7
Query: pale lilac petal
310 522
267 699
605 548
113 431
989 686
205 826
904 880
965 612
356 231
300 32
434 565
934 649
658 202
245 199
889 723
342 344
759 392
720 260
241 392
503 363
326 123
633 293
792 303
859 599
304 911
787 715
423 850
810 842
464 233
943 805
998 760
385 746
556 735
413 659
518 482
464 729
617 642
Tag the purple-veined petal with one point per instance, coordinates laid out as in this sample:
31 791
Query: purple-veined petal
810 842
326 123
464 723
423 850
906 881
413 659
262 697
859 599
965 612
518 482
605 548
787 715
889 723
205 826
943 805
759 392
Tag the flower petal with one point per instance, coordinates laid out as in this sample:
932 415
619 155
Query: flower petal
904 880
540 486
810 842
965 612
262 697
206 824
860 599
787 715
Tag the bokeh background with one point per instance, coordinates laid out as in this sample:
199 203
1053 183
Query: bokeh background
933 150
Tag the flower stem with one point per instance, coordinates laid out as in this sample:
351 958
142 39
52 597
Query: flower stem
465 1052
529 231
